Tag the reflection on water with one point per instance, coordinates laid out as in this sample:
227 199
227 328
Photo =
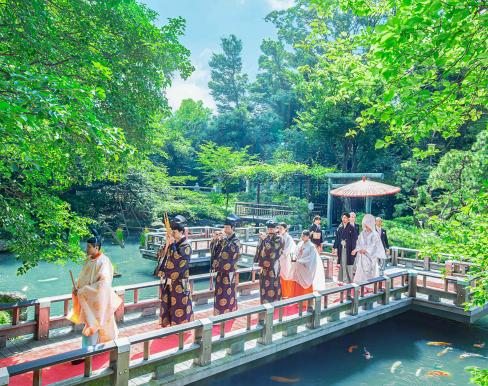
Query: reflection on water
400 353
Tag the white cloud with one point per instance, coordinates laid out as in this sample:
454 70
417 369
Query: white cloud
195 87
278 5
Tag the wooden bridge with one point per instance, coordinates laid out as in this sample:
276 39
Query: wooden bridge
260 213
212 344
199 238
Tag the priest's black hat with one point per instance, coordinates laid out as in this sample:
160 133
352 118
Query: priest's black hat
96 239
271 223
178 223
232 220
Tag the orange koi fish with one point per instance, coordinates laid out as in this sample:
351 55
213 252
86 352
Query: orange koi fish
439 344
479 345
284 379
438 373
352 348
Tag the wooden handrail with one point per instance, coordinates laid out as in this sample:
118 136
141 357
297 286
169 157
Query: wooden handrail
352 296
204 343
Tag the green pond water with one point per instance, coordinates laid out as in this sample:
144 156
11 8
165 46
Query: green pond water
403 338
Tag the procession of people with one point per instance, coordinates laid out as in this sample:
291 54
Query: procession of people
287 269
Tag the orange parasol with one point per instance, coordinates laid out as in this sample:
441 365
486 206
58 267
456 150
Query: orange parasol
365 188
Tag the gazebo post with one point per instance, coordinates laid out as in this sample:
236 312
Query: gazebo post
329 204
368 202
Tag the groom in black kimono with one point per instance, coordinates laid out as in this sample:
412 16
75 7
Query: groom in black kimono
345 238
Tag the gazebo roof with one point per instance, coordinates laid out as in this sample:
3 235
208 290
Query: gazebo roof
365 188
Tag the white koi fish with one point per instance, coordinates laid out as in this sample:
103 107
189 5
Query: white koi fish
471 355
395 366
367 354
419 370
444 352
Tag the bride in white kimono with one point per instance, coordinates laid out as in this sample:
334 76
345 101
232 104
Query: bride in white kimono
369 249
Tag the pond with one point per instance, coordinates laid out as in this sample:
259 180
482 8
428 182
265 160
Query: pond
400 339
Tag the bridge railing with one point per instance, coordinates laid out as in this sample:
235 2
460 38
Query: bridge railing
450 265
45 321
154 240
250 210
315 311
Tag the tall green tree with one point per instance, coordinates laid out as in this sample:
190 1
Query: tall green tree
80 86
228 85
182 134
219 164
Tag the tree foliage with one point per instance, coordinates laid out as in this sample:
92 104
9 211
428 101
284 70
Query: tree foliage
80 85
219 164
420 68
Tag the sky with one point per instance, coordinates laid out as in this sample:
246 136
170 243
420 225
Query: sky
206 22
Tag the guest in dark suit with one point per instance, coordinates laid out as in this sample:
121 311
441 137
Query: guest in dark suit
382 233
384 240
344 245
352 221
316 233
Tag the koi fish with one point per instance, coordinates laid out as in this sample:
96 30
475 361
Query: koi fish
444 352
367 354
471 355
479 345
439 344
419 370
284 379
395 366
351 348
438 373
25 288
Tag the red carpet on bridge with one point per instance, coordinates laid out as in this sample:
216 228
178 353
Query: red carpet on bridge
66 370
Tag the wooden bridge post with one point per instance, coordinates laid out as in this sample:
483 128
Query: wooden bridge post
386 293
329 271
426 263
43 310
203 337
462 292
412 284
119 362
4 376
394 256
266 320
355 300
119 313
448 267
317 311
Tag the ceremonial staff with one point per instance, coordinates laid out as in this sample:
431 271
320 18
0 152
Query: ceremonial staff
163 253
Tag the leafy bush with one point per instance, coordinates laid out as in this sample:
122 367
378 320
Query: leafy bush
5 318
194 205
480 376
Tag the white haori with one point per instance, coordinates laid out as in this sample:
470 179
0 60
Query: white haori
285 259
96 301
308 270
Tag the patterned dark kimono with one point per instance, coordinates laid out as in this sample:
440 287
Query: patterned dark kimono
225 254
176 305
267 256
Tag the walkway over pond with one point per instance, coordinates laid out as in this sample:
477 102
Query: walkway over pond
212 344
